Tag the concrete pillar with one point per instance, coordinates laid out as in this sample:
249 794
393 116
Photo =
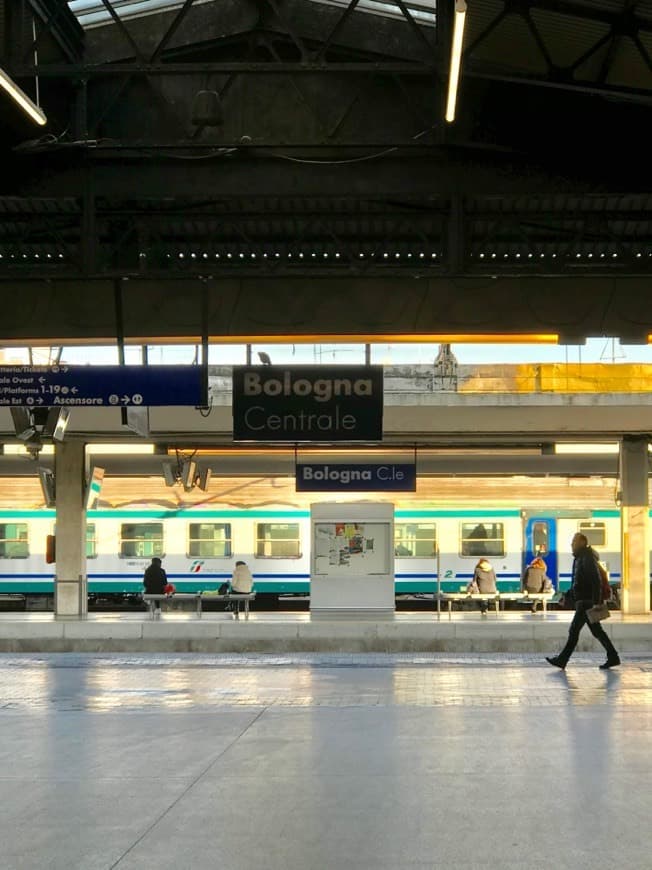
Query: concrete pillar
70 587
635 549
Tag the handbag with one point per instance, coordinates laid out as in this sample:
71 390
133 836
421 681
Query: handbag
598 612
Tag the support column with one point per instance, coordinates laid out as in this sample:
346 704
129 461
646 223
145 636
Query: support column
70 587
635 549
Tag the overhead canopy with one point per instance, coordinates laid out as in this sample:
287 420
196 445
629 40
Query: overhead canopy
238 145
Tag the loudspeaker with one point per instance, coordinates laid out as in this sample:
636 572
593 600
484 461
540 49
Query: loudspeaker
46 478
188 475
23 423
168 474
56 423
204 478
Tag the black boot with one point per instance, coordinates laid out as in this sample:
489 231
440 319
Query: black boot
612 662
556 662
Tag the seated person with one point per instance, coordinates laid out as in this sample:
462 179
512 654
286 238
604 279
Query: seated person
155 580
241 582
483 582
535 579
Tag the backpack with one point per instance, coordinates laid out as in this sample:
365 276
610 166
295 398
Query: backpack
605 588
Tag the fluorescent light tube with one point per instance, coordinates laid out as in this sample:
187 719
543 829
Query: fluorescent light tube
456 58
19 96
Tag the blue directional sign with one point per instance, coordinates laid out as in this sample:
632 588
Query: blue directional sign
101 386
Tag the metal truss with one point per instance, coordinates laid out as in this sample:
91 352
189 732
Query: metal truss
304 73
419 236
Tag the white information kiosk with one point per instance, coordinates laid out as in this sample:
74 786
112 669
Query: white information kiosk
352 563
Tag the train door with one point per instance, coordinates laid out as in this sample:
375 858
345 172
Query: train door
541 540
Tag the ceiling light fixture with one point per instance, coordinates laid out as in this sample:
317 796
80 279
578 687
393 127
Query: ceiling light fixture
19 96
456 59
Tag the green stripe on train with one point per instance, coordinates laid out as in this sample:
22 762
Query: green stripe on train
234 514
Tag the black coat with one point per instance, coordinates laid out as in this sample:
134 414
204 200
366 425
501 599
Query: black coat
155 580
586 577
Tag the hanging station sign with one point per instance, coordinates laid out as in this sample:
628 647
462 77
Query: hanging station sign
371 477
307 403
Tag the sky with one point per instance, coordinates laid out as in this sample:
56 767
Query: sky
596 350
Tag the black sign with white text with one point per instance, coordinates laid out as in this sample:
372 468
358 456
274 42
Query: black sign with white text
307 403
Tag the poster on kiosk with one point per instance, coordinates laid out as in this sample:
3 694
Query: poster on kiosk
352 562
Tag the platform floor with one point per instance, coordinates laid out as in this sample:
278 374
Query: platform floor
324 762
182 631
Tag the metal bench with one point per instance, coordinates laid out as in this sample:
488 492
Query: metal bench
238 597
449 597
496 598
528 598
153 599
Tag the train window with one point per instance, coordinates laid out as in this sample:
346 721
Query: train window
415 539
278 540
209 539
141 540
540 539
91 541
596 533
13 541
482 539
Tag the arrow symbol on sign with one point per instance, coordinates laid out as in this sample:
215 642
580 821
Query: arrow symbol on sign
126 399
40 400
41 380
74 390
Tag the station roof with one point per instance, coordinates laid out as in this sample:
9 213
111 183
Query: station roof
284 151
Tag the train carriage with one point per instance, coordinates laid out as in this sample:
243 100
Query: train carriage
434 547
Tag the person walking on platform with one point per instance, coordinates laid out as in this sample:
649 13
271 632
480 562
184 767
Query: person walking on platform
585 592
155 580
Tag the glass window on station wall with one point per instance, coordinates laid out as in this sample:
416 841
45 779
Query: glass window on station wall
596 533
415 539
278 540
141 540
14 542
228 355
209 540
404 353
482 539
308 354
